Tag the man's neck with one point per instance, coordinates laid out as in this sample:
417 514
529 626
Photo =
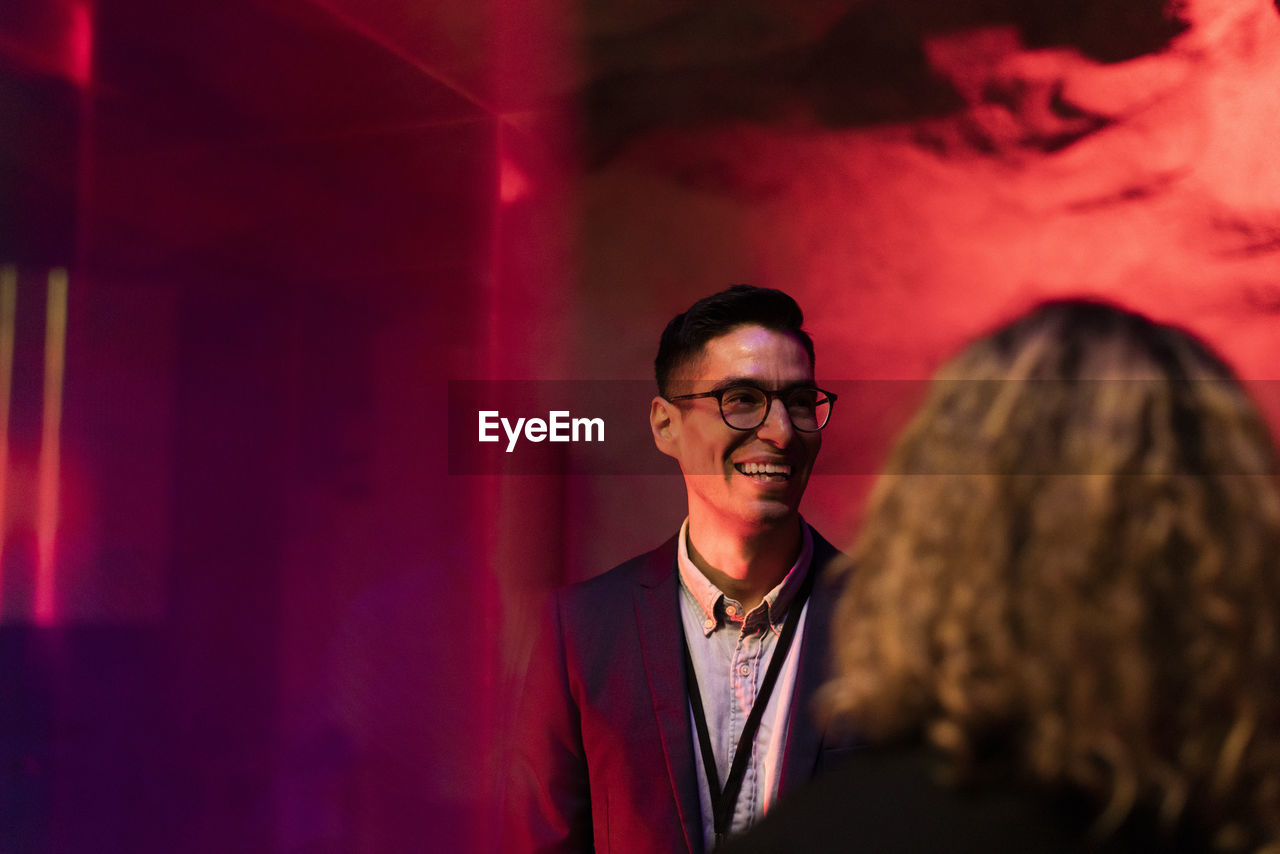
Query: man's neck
744 566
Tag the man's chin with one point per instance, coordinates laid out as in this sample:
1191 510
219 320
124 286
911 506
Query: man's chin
765 513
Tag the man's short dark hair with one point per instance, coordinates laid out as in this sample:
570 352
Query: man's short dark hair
713 316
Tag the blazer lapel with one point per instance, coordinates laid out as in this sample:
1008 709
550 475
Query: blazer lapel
657 606
804 739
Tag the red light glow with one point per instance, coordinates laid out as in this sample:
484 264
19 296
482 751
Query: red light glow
80 44
512 184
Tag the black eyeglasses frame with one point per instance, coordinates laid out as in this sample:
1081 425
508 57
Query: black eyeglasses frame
780 394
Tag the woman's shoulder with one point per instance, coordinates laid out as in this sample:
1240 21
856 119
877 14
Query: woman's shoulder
900 799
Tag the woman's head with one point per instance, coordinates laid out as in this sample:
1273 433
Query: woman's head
1071 556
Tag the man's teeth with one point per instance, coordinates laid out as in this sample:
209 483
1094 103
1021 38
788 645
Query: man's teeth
765 468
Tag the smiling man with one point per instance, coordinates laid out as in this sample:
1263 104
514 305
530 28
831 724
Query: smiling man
669 701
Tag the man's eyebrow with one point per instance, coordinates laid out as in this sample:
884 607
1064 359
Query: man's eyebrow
730 382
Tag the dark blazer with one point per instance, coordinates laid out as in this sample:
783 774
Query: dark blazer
604 753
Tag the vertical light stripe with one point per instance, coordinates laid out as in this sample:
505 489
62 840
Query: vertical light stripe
8 304
55 348
80 44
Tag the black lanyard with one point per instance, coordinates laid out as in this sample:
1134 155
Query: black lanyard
723 803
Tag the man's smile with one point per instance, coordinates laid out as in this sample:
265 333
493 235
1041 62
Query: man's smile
765 472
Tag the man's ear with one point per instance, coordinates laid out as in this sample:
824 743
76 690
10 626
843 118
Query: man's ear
664 421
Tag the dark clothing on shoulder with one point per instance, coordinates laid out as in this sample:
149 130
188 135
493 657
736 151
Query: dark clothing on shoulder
894 800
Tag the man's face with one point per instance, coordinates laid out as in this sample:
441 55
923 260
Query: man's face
716 458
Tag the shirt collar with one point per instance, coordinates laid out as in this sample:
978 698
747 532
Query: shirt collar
708 596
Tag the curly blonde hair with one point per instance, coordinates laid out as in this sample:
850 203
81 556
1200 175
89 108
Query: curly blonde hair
1072 555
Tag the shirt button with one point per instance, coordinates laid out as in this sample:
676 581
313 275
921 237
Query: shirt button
744 669
708 624
731 610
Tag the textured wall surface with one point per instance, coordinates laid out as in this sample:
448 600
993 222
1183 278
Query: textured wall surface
997 160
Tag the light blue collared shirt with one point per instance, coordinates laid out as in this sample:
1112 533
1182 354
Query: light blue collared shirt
730 651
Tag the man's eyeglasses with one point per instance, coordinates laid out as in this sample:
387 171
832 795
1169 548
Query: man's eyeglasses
745 407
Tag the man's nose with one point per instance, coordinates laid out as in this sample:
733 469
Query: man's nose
777 428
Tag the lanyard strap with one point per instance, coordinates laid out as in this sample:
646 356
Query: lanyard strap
723 802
